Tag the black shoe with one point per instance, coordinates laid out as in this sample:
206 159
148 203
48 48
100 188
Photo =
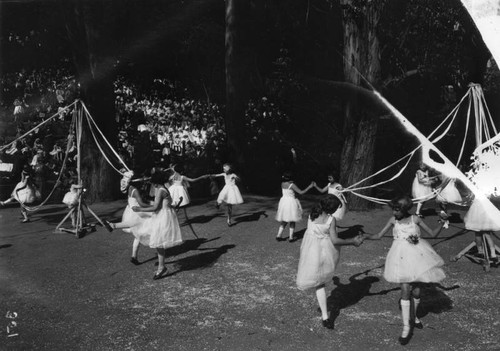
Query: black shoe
26 220
405 340
217 205
327 323
279 238
134 261
158 275
292 240
418 325
108 226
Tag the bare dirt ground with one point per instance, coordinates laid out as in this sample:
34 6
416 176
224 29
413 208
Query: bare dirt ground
229 289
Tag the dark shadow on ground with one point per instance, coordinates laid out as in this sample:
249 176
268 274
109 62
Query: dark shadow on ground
345 295
434 300
250 217
351 231
427 212
200 261
186 246
4 246
455 218
202 219
457 234
299 235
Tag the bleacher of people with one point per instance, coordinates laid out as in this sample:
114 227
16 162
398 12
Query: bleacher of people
153 121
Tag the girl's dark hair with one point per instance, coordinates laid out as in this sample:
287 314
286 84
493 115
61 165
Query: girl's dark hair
333 174
329 204
179 168
287 176
403 203
159 177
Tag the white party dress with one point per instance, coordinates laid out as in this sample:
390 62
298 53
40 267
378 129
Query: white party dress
289 208
409 262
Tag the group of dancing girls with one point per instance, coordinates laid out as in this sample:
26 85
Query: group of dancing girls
447 193
290 210
409 262
156 225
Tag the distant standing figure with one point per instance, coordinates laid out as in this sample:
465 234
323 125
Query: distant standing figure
24 193
421 187
230 194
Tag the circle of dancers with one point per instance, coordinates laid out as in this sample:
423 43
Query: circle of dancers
410 261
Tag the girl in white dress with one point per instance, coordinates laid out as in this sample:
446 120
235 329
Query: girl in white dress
129 217
421 187
479 220
161 230
24 193
230 194
71 199
335 188
448 194
320 252
178 187
410 260
289 208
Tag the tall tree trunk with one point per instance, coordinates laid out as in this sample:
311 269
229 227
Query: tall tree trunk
89 28
236 82
361 55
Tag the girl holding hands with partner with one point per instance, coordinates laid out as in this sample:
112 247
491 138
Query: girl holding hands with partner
334 188
179 183
320 253
230 193
411 259
130 218
289 208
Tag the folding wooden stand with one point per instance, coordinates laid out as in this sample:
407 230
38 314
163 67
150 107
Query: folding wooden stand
486 261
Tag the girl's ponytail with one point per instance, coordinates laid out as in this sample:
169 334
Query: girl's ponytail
316 211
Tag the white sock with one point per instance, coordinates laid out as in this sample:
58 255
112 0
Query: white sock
405 315
291 232
416 302
280 231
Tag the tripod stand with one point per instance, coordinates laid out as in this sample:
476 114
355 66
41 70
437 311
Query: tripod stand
80 227
486 261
